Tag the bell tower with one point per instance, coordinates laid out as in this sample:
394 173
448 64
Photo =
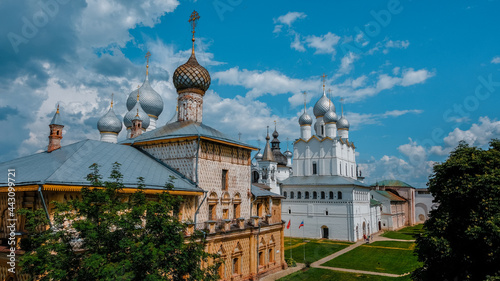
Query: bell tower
56 130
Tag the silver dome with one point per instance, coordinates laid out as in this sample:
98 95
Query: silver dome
109 122
330 116
258 156
127 120
288 153
343 123
151 101
322 106
305 119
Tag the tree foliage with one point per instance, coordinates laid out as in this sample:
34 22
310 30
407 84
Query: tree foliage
109 235
462 236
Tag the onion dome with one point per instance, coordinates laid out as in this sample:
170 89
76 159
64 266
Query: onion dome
330 116
137 109
322 106
151 101
305 119
56 120
288 153
191 75
258 156
343 123
109 122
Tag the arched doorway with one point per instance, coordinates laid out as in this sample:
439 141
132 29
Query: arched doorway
379 226
364 228
325 232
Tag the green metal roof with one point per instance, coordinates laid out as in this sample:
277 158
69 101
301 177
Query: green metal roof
392 183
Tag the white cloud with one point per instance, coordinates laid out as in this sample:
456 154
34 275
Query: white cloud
290 18
262 82
346 63
323 44
358 120
297 44
496 60
411 77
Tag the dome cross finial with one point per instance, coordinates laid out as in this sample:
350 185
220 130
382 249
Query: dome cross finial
57 112
193 19
305 100
323 77
148 54
112 94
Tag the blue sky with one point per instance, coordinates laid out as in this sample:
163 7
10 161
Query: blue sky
417 76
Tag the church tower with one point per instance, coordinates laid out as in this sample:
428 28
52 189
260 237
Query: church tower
127 119
56 130
191 81
269 167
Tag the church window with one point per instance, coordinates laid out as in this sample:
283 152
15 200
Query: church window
225 214
57 133
306 196
331 194
315 168
260 209
340 166
315 195
236 266
284 194
322 195
224 180
299 195
322 130
339 195
262 259
236 211
212 213
291 195
271 255
289 211
326 212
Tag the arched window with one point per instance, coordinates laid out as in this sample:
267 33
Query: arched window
291 195
322 130
289 211
315 168
299 195
339 195
284 194
331 195
315 195
326 212
322 195
340 166
306 196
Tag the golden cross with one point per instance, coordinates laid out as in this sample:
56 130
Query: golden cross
305 98
148 54
324 80
57 108
192 19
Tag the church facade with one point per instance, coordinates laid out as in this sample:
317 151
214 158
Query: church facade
212 173
325 195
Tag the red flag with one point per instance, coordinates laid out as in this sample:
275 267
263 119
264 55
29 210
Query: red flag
288 225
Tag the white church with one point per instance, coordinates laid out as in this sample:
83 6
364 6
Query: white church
323 187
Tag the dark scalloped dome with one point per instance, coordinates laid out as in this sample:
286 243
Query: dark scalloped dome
191 75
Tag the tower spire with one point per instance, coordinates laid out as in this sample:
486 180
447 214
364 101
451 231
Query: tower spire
192 19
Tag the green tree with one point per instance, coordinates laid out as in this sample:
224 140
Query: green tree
109 235
461 240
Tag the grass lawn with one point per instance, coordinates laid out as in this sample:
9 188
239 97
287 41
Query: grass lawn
378 258
393 244
407 233
318 274
315 249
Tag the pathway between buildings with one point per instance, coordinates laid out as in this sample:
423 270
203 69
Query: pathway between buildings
318 264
